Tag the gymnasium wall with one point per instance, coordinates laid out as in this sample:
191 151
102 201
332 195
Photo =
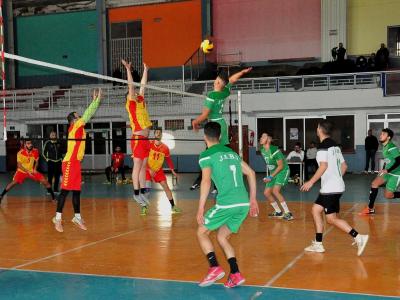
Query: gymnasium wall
268 29
367 24
171 32
68 39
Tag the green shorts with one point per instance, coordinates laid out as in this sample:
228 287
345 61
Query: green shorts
281 179
229 215
392 182
224 139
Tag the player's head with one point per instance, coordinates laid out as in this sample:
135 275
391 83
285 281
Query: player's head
297 147
53 135
369 132
386 135
118 149
28 144
72 117
221 81
324 129
265 138
158 134
212 132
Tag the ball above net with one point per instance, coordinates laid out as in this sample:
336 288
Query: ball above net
207 46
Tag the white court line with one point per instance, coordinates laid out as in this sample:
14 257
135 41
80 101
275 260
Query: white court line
74 249
191 281
298 257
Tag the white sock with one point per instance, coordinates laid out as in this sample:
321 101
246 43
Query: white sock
58 216
276 207
78 216
284 206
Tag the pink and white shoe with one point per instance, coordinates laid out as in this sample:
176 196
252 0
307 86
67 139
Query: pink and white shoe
58 225
79 222
214 274
234 280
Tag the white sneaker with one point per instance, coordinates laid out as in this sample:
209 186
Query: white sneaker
139 200
315 247
145 198
361 241
79 222
58 224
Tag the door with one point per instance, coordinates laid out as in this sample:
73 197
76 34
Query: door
12 148
233 133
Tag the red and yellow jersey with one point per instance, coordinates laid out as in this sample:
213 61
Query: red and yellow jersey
117 160
76 141
137 112
157 155
27 159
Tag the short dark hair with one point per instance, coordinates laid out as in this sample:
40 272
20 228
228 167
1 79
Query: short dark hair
224 76
71 117
27 139
298 144
212 130
389 132
326 127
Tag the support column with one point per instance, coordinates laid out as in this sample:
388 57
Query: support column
102 36
10 48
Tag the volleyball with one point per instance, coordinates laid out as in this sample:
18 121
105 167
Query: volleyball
206 46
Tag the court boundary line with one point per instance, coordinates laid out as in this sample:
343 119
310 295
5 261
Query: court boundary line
74 249
191 281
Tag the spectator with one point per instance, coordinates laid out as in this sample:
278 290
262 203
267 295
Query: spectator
372 62
117 74
341 52
117 165
297 155
382 58
311 159
52 155
371 146
334 53
361 64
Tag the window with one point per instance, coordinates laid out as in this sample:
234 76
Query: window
35 132
101 137
155 124
174 124
126 30
394 40
272 126
119 135
343 132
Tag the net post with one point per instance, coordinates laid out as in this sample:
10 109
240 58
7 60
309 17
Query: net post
240 129
3 72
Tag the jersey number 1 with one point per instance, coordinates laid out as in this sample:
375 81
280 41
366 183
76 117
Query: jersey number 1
233 169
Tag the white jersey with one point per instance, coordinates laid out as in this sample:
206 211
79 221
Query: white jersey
332 180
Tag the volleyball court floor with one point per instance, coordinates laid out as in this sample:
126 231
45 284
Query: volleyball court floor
126 256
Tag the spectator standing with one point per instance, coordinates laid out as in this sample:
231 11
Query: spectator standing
371 146
53 156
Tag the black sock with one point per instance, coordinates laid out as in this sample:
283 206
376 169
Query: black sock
143 190
136 192
318 237
172 202
212 259
51 193
4 192
233 264
353 233
372 196
396 195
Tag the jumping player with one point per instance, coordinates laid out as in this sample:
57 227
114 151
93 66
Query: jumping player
226 169
140 124
27 163
71 165
158 153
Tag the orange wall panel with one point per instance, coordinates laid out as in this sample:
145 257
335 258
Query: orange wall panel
171 32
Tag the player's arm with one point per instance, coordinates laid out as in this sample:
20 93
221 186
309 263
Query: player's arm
343 168
131 87
318 174
235 77
91 110
204 191
278 169
170 163
204 116
143 82
251 179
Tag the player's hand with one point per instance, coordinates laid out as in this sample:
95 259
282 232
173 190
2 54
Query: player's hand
383 172
245 71
96 94
254 211
195 126
175 174
267 179
200 216
307 186
126 64
145 67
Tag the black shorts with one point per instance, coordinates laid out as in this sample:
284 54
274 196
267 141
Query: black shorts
330 202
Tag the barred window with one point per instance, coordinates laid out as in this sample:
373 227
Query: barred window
174 124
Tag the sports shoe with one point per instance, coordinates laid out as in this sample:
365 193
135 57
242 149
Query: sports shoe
79 222
367 211
214 191
176 210
139 200
315 247
234 280
58 225
214 274
361 241
145 198
288 216
194 186
276 214
107 182
143 210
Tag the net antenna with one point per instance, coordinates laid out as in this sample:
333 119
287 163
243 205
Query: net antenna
3 72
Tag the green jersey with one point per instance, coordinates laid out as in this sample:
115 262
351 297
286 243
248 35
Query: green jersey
226 173
390 152
272 156
215 102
